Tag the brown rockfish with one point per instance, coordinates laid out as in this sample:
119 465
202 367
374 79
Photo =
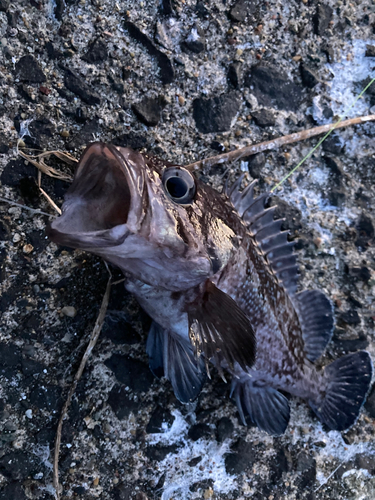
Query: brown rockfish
219 279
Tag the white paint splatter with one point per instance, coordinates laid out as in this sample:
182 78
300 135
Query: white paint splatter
348 76
180 475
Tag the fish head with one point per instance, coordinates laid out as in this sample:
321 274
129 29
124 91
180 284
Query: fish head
154 221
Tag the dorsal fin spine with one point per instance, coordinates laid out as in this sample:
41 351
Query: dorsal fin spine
266 231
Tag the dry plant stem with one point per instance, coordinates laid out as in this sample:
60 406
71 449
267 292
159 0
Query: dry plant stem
275 143
47 196
66 157
38 162
50 201
93 339
119 281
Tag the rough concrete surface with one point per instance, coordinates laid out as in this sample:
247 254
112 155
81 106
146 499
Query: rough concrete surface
184 80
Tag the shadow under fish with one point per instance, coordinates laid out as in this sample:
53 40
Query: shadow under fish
219 279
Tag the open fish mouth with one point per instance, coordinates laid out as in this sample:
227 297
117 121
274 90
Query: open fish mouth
98 203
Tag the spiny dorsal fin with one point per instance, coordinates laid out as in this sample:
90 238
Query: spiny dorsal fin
267 232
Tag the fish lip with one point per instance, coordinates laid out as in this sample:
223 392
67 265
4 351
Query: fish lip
88 240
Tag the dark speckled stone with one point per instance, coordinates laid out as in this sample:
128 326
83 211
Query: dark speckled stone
13 491
29 70
365 230
322 18
224 429
17 465
215 114
97 51
15 171
76 84
159 416
118 330
241 458
200 430
10 360
120 402
148 110
130 372
306 467
158 453
272 87
47 397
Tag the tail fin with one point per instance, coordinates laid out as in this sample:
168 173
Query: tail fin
348 382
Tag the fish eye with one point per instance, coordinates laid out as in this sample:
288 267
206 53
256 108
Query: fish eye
179 185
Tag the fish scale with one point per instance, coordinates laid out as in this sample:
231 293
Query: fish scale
219 280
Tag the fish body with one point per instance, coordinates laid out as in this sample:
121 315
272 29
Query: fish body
219 279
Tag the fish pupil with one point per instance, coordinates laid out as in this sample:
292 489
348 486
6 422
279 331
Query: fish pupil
176 187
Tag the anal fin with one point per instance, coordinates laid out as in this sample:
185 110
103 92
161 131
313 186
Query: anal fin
316 316
266 407
174 359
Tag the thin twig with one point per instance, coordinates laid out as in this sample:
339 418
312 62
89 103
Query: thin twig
93 339
34 210
275 143
329 477
119 281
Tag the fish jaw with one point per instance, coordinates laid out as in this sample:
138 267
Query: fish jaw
117 208
99 210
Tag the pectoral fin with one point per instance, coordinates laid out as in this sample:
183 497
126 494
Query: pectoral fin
220 330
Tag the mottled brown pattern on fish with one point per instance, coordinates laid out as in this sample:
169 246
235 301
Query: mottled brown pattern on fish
249 279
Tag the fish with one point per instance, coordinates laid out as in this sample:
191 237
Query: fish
219 279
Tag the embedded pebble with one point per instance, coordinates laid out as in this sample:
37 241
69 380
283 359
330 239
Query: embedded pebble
149 110
69 311
272 87
4 5
27 248
76 84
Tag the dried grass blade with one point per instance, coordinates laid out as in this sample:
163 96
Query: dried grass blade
66 157
25 207
50 201
43 167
